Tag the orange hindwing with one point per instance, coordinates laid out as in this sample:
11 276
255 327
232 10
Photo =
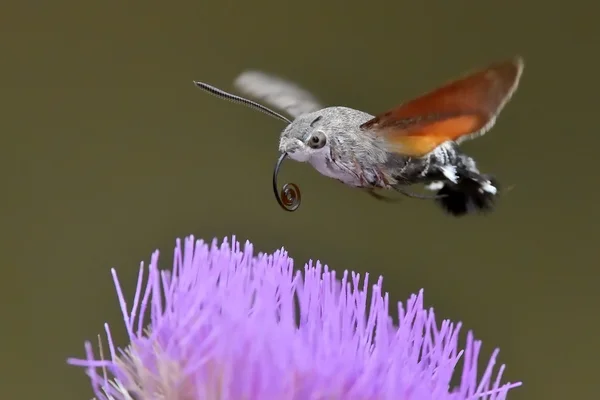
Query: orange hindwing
457 111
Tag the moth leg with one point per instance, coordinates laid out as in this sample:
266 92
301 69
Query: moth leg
359 174
377 196
407 193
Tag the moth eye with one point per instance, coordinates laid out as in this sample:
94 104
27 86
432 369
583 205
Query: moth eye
317 140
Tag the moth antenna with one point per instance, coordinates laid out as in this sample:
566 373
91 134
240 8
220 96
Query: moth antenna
289 197
240 100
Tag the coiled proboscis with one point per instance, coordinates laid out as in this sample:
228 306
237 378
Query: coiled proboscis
289 197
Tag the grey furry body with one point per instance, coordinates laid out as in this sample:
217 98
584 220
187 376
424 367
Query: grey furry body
359 158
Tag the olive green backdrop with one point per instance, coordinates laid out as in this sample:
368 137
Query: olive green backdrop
109 152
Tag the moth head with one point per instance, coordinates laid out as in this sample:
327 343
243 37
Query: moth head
305 138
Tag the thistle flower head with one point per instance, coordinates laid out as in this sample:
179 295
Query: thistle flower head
225 324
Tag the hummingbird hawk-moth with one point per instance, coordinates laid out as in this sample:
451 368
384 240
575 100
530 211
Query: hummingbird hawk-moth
416 142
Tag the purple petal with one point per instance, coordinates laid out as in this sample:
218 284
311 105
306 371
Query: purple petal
225 323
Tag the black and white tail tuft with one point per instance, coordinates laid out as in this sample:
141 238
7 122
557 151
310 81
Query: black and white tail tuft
473 193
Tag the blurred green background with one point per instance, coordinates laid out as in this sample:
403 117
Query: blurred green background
109 152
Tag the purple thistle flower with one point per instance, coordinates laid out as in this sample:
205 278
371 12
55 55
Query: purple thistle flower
228 324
